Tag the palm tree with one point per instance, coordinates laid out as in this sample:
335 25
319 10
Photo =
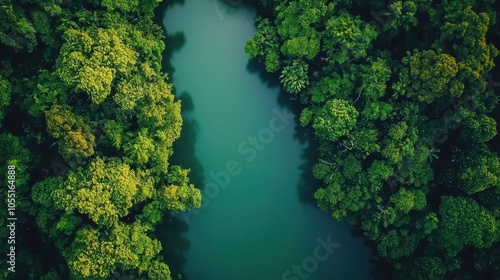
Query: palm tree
433 154
294 77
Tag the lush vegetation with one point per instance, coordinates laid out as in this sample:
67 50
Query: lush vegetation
88 120
397 93
398 96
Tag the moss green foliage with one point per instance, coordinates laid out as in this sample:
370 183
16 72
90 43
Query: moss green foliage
405 122
88 119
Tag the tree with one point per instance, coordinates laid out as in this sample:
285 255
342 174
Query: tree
374 78
73 134
297 17
399 142
89 77
333 86
265 44
16 30
422 268
105 192
91 59
44 91
347 37
342 200
180 195
367 141
383 172
377 111
403 16
294 77
378 172
428 223
396 244
403 200
96 254
464 222
478 171
303 46
464 32
334 120
114 133
5 92
479 129
428 75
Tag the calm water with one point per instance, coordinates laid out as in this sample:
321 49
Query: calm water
244 149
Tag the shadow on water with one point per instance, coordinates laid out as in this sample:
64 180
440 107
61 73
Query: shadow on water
171 232
269 79
382 269
175 245
173 42
184 148
307 184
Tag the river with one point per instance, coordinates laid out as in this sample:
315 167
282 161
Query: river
251 160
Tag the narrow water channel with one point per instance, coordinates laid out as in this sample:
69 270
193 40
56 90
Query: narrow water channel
246 153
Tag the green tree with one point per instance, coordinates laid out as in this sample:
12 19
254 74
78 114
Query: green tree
479 129
377 111
180 195
96 253
374 78
294 77
265 44
5 92
105 192
332 86
428 75
90 60
403 200
335 119
464 32
399 142
16 30
423 268
464 222
478 171
403 15
73 134
347 37
297 17
396 244
342 200
303 46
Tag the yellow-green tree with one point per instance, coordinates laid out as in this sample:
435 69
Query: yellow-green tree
73 134
335 119
428 75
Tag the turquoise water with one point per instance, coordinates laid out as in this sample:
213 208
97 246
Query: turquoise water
249 156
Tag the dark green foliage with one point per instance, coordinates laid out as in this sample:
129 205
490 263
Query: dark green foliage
464 222
380 106
423 268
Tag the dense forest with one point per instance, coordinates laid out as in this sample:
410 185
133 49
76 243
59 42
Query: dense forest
402 98
87 125
400 95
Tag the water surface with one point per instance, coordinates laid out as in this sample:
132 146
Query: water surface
246 153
